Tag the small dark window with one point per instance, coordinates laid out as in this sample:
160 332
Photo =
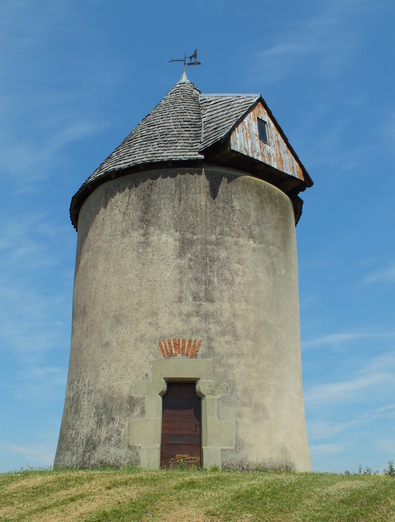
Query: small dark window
262 131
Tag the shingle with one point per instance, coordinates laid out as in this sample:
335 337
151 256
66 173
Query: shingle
183 125
180 127
220 112
171 131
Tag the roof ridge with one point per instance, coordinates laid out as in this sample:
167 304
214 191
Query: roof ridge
224 95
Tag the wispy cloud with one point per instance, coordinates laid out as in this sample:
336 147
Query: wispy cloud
322 429
33 315
375 378
338 391
342 338
29 158
385 275
31 240
40 383
323 43
326 449
31 322
41 453
386 445
318 53
390 130
35 123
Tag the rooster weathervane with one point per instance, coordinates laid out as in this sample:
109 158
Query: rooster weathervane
192 59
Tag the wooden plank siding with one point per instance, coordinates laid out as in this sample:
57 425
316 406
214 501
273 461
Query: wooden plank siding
245 139
181 425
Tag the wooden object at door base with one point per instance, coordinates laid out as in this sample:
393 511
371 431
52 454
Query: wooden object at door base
188 459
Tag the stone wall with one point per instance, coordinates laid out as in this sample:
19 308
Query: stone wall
206 254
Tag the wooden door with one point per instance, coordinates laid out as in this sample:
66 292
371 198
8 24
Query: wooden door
181 423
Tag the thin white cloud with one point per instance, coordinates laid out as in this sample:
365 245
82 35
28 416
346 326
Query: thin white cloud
373 380
280 50
322 429
322 47
334 339
386 275
41 454
30 325
368 261
40 383
323 43
386 445
34 318
318 430
326 449
31 240
30 158
390 130
338 339
35 123
343 390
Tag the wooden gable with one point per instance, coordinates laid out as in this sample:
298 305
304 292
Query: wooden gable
276 152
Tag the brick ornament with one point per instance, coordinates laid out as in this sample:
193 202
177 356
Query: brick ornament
179 347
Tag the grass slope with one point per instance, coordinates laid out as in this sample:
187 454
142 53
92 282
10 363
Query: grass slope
194 495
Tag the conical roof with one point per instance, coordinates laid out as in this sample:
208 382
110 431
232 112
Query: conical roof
171 131
180 127
183 125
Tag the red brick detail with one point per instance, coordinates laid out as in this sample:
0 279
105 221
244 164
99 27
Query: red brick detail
193 348
180 347
163 352
188 347
199 344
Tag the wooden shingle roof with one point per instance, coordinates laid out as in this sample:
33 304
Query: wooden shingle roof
171 131
220 112
182 127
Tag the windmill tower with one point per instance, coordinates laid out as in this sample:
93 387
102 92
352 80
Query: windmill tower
185 340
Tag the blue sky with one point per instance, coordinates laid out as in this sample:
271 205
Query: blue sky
77 76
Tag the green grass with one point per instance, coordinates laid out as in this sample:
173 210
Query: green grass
132 494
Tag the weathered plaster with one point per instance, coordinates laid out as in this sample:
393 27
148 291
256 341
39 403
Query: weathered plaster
161 255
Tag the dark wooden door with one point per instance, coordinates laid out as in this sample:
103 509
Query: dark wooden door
181 422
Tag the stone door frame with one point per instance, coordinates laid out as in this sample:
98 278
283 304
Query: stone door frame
146 431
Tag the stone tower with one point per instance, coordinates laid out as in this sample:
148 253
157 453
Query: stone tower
185 339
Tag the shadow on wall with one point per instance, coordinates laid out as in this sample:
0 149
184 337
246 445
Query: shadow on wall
133 181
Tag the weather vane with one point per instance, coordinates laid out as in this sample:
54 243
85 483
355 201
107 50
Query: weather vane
192 59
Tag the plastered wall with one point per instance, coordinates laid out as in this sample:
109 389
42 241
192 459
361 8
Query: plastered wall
207 254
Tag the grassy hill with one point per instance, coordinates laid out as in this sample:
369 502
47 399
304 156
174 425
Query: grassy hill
194 495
